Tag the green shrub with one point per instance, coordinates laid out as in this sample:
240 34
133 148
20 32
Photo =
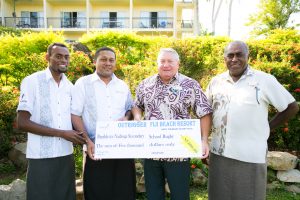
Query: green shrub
8 105
201 59
22 55
80 65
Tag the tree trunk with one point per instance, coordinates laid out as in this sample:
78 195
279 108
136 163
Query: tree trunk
229 18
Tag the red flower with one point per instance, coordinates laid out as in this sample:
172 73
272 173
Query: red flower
286 129
193 166
297 90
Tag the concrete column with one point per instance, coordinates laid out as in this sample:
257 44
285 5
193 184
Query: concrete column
88 5
45 14
174 19
131 14
196 18
2 12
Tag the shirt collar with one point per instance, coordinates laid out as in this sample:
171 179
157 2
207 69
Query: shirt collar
49 75
248 72
175 78
95 77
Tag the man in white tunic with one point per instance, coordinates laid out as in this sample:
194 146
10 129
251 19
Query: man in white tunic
101 96
240 98
44 112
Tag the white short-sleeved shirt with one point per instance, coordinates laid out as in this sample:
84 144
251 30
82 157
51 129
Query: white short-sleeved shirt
94 101
240 113
49 105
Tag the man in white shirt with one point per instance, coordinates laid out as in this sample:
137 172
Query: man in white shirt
240 98
101 96
44 112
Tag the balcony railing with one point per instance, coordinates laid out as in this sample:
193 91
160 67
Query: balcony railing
186 24
72 22
146 23
150 23
24 22
101 22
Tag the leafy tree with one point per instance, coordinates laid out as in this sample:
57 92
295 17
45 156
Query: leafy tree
273 14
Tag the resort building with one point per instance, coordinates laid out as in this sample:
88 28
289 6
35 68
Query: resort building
177 18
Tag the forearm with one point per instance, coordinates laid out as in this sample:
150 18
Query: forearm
79 125
285 115
25 124
205 123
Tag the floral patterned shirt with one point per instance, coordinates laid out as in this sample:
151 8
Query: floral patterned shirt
240 119
171 101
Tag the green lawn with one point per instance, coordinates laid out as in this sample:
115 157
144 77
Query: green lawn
275 194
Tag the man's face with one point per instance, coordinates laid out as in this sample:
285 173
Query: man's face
105 64
236 60
59 59
167 66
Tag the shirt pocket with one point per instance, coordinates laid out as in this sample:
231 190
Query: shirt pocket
119 100
66 103
251 97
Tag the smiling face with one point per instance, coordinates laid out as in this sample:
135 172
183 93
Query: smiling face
236 59
58 59
105 64
168 66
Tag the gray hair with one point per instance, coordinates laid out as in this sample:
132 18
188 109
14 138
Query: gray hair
168 50
241 43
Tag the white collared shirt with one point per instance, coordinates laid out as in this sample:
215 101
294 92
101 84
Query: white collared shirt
95 101
49 105
240 113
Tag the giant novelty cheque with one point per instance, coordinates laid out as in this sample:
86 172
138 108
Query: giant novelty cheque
148 139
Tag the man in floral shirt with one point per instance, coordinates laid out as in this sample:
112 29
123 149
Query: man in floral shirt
164 96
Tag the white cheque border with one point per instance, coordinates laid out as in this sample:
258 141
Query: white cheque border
148 139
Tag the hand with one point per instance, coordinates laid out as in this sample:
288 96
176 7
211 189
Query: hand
74 136
205 149
123 119
91 149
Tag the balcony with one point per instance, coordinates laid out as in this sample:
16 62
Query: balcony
66 23
186 24
101 22
153 23
24 22
80 23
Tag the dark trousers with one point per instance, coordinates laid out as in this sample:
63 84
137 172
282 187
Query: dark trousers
109 179
177 175
51 179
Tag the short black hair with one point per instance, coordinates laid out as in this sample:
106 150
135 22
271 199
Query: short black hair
104 49
51 46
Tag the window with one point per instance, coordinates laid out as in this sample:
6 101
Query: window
153 19
73 19
31 19
112 19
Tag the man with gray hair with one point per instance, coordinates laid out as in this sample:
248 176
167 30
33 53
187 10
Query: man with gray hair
170 95
240 98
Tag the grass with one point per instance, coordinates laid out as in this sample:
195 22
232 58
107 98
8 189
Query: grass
8 173
200 193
